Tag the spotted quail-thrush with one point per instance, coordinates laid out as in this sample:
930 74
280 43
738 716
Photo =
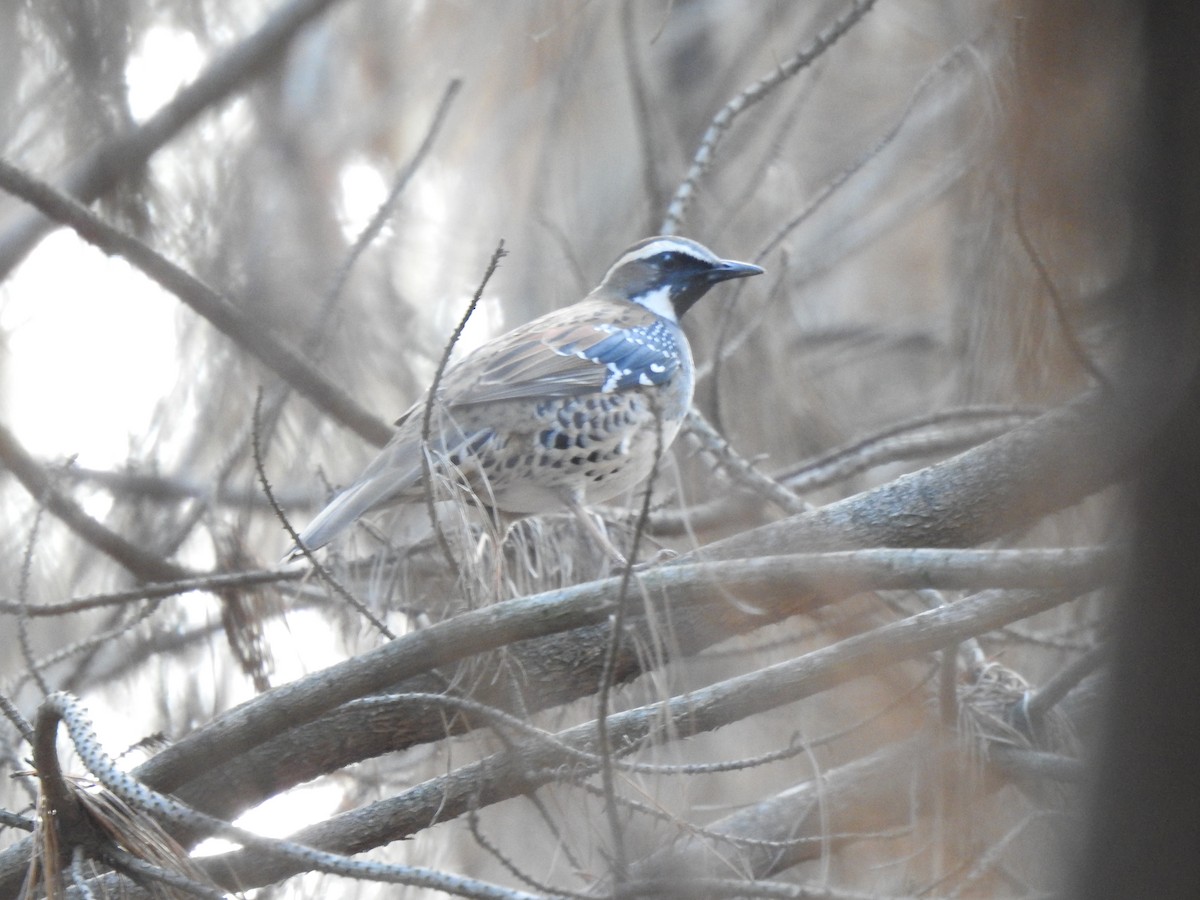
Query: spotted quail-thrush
567 410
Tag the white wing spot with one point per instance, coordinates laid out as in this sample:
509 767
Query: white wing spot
614 378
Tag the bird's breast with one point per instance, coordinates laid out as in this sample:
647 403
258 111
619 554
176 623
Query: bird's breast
593 447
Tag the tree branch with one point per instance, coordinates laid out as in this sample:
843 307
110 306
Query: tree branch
125 155
245 331
531 764
139 562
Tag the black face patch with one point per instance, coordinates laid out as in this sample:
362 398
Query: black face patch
676 262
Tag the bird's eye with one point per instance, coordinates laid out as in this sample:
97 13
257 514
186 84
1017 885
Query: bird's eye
669 260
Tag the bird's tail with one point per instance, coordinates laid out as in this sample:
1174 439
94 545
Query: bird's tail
390 478
390 474
335 518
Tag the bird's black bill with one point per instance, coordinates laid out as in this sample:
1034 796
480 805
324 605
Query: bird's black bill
730 269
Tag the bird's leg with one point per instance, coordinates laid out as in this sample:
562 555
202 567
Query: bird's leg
501 526
585 518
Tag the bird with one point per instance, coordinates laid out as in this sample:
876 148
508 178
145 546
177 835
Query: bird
565 411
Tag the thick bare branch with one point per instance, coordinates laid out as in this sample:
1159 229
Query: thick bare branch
531 764
245 331
1009 483
137 560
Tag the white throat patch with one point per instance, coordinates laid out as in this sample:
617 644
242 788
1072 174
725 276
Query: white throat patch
658 301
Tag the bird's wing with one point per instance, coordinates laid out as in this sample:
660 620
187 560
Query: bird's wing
598 345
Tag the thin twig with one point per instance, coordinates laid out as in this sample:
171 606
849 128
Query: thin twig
208 582
23 602
497 854
748 97
93 640
431 399
318 328
322 571
944 66
619 862
651 185
737 840
10 711
740 469
384 211
866 230
141 871
1057 303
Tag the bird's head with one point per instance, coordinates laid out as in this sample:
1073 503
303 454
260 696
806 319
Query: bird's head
668 274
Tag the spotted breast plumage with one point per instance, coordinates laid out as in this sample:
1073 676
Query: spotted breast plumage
567 410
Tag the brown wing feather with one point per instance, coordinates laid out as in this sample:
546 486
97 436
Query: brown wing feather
524 363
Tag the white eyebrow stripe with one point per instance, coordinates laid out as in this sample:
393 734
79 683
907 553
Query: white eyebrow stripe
656 247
